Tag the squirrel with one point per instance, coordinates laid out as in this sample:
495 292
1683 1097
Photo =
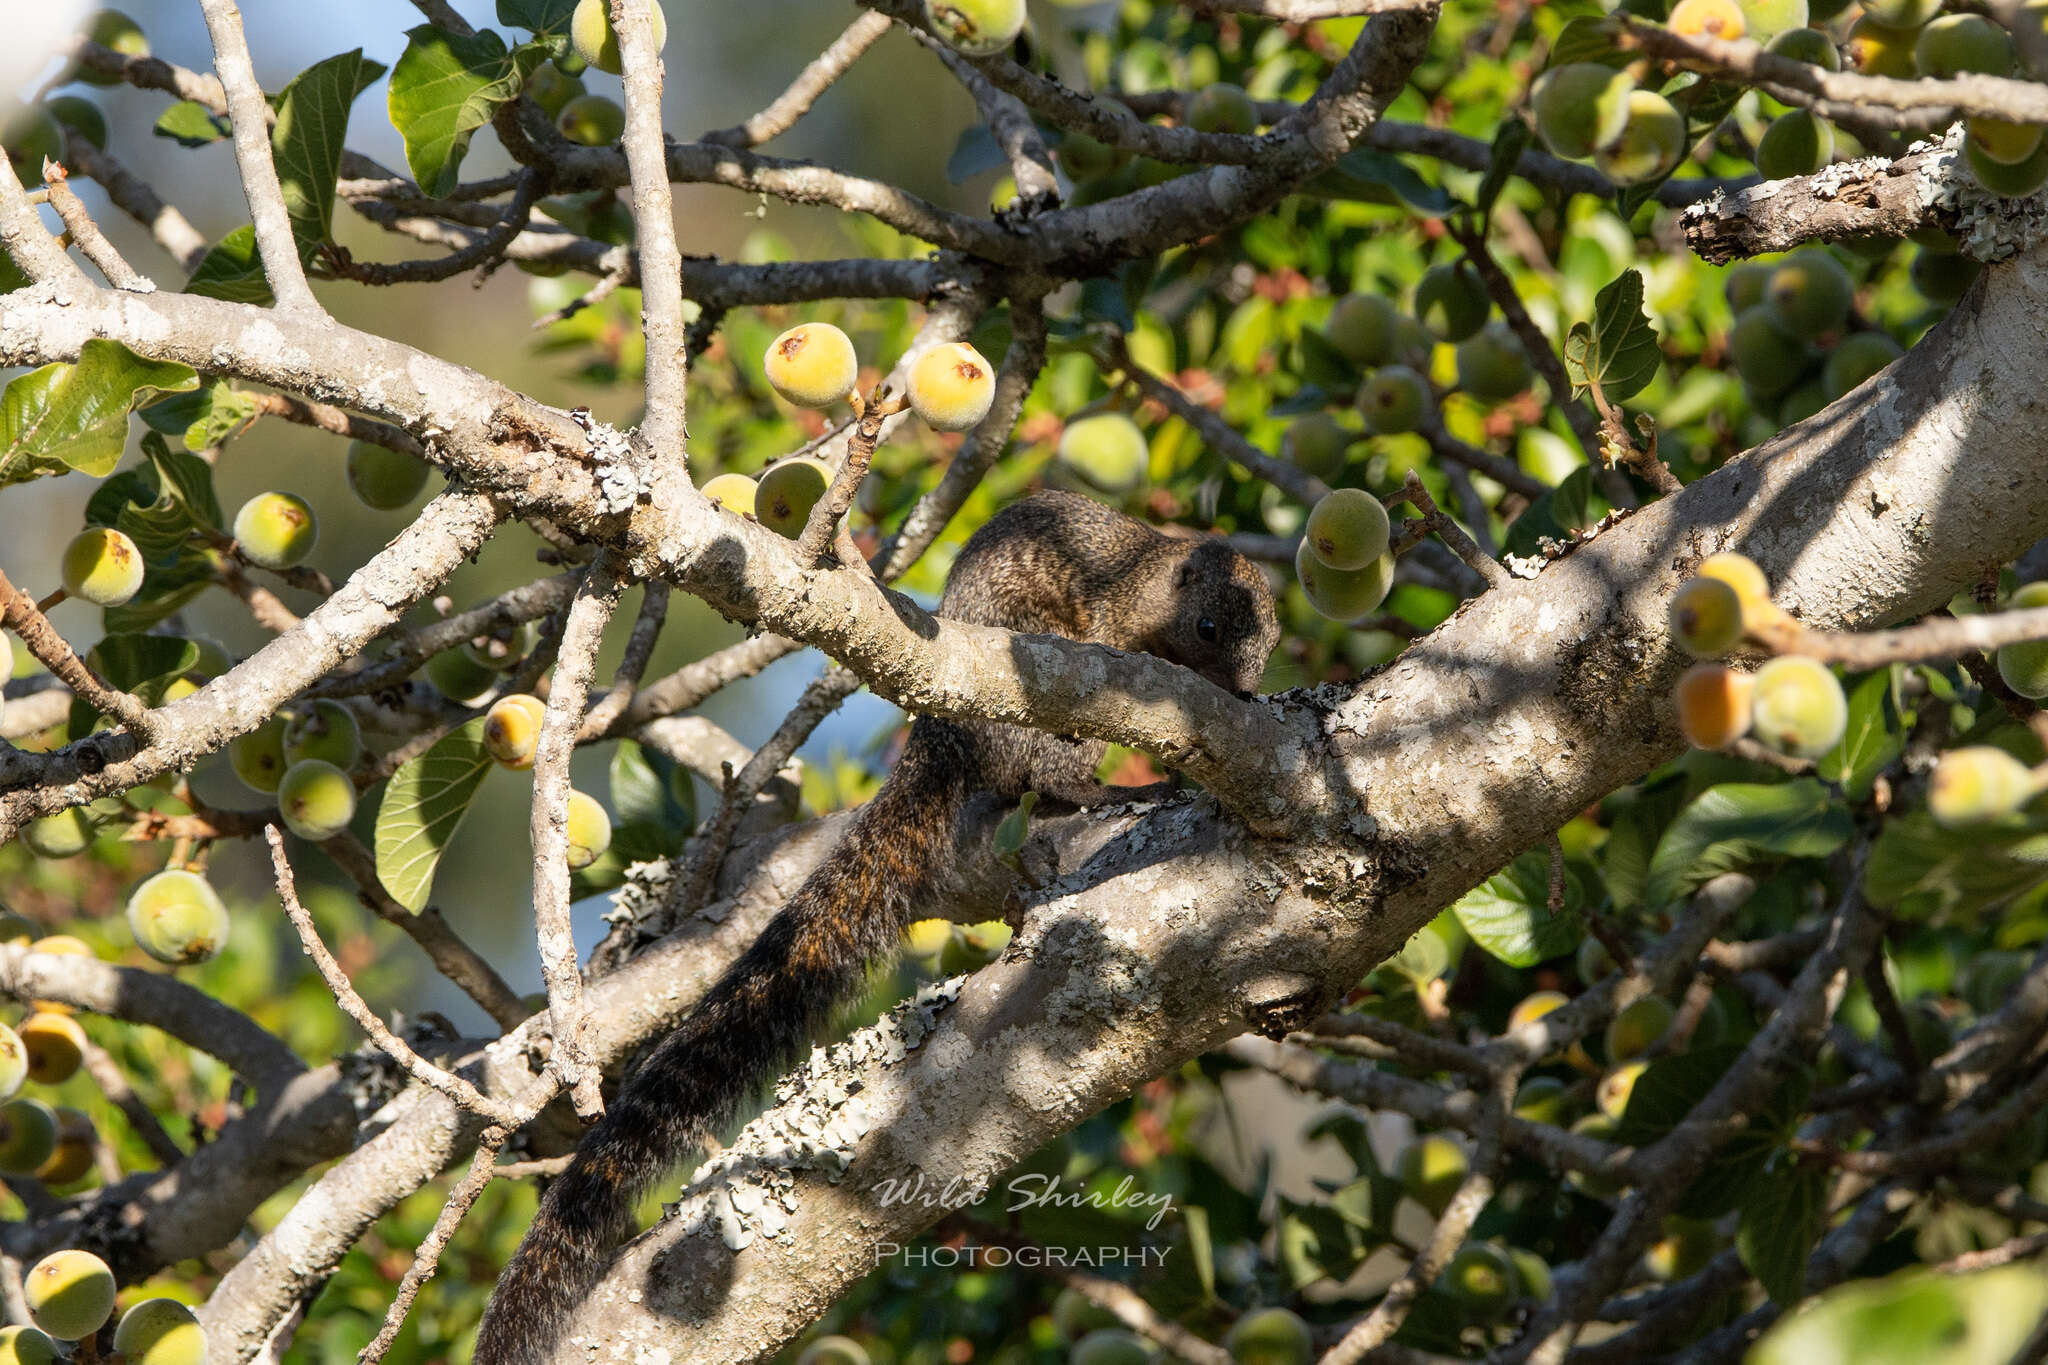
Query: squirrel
1053 563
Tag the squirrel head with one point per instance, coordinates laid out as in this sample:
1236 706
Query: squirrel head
1223 625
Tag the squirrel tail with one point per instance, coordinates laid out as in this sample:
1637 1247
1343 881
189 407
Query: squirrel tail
813 955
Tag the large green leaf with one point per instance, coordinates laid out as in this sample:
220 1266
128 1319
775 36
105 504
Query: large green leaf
1740 822
1783 1214
205 417
1921 870
1377 177
75 416
1669 1088
541 16
143 665
184 502
1509 914
423 807
1913 1318
1618 349
306 141
447 86
232 270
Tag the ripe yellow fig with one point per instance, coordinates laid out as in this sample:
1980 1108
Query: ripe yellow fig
28 1134
276 530
327 731
597 42
258 757
1348 529
1107 449
160 1332
1430 1170
13 1061
1616 1086
1223 108
1741 573
590 830
813 365
382 479
1708 18
979 28
1878 49
70 1294
72 1159
1977 785
316 799
1637 1029
26 1346
177 918
512 730
55 1045
736 493
1706 618
1713 706
102 566
952 387
1798 707
787 492
1341 595
927 937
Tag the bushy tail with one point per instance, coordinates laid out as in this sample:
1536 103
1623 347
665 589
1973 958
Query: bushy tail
813 955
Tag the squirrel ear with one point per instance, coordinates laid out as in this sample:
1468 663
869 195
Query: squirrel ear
1184 571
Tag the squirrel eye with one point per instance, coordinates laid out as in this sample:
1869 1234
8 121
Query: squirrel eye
1206 630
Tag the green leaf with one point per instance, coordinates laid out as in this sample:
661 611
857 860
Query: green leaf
1509 143
76 416
1920 870
445 87
1377 177
1913 1318
133 662
1783 1215
306 141
639 792
1315 1243
540 16
184 502
204 418
232 270
423 807
1874 738
1014 830
1555 514
1741 822
191 124
1618 350
1201 1248
1509 914
1588 38
1637 822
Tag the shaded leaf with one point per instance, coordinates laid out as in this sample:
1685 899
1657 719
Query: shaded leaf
75 416
1669 1088
445 87
1783 1215
231 270
1921 870
306 141
1618 349
1874 738
423 806
1588 38
1509 143
540 16
974 151
1377 177
1740 822
1509 914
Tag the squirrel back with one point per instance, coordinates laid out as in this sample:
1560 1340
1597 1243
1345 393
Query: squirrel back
1053 563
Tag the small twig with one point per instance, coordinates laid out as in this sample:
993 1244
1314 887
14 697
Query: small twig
521 1170
1303 487
86 233
822 528
1892 1015
1500 469
1619 448
19 613
815 79
266 606
337 421
1929 641
135 197
1447 530
598 721
107 1075
582 633
419 1068
250 115
482 1169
